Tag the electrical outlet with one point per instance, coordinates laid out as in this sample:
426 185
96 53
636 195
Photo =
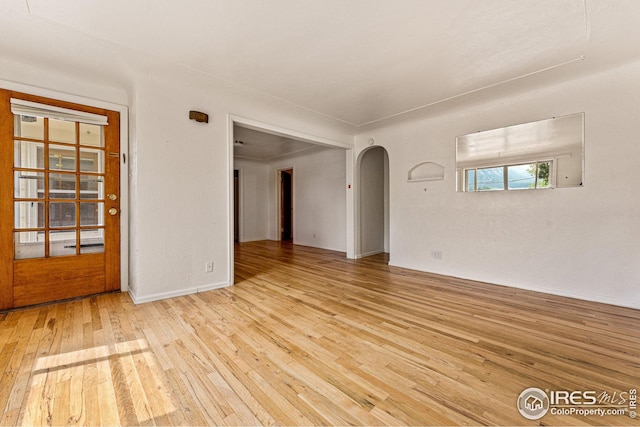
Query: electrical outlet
208 267
436 254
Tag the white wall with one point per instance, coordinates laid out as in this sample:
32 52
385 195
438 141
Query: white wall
580 242
319 198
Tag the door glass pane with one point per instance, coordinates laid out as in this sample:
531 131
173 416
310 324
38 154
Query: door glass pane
28 185
28 215
29 127
62 243
91 187
28 244
91 160
28 155
91 241
91 135
62 214
62 158
92 213
62 186
62 131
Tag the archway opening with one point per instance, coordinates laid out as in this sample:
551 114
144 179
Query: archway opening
373 203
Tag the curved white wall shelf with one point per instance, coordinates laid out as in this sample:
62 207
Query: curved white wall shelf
426 171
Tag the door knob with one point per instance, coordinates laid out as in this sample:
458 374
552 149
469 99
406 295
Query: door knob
113 211
112 196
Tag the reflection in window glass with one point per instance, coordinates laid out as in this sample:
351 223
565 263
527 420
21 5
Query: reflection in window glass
521 176
91 187
471 180
62 131
544 175
29 127
91 241
62 214
490 179
91 135
28 244
91 213
91 160
62 186
542 154
28 215
28 155
28 185
62 243
62 158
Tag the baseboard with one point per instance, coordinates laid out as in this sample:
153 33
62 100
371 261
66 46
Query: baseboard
253 239
366 254
165 295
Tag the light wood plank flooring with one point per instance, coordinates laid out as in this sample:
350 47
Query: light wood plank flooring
307 337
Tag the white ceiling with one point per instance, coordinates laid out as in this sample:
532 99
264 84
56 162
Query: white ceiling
256 145
358 61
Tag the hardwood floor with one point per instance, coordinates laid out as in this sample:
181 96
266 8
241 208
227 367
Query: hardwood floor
307 337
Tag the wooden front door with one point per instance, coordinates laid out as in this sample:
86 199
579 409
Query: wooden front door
59 200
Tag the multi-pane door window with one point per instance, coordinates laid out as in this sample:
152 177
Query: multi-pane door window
522 176
58 187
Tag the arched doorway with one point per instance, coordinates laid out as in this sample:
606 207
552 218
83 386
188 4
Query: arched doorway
373 202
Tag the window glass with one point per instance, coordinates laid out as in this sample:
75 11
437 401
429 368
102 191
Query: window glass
521 176
62 158
29 127
92 241
28 215
490 179
62 243
544 175
28 155
62 214
28 244
28 185
62 186
62 131
91 135
91 187
471 180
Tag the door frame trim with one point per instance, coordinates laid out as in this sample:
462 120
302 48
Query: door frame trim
124 165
